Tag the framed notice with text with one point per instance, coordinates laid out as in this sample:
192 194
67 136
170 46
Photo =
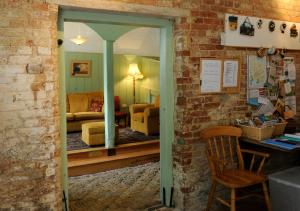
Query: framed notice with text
231 76
210 76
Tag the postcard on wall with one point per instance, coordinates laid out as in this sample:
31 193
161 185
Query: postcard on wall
291 102
290 68
265 108
230 73
211 75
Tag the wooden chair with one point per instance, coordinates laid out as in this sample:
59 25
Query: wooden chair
228 169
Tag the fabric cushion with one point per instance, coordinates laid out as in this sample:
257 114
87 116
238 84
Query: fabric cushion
138 117
88 115
95 105
70 116
93 127
95 96
78 102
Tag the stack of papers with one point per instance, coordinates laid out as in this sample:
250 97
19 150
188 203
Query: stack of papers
287 142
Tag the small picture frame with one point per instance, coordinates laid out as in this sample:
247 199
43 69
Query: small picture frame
81 68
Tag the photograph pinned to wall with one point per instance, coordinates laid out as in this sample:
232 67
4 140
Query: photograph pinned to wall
81 68
289 68
294 31
291 102
233 22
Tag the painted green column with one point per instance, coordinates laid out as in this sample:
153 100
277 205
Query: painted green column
109 34
109 105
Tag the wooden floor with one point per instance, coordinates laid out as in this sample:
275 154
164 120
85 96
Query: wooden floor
93 160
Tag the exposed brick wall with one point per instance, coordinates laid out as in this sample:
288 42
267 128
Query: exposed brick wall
195 37
29 136
29 126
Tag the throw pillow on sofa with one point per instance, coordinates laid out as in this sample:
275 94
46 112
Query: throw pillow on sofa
96 105
78 102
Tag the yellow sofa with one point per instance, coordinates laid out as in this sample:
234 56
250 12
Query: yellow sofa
144 118
78 110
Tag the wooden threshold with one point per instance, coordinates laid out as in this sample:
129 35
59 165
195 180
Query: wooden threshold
120 149
93 161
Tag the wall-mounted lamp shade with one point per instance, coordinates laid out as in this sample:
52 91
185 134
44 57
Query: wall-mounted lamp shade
78 40
134 71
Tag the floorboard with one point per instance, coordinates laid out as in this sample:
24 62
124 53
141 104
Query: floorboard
89 161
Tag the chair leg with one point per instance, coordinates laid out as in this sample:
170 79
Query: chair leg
266 194
232 201
211 195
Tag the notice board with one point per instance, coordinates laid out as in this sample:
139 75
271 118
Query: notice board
219 76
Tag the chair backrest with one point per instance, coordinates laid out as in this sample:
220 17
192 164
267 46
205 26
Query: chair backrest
117 103
222 147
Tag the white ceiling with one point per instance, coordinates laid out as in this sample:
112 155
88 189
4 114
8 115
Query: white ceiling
141 41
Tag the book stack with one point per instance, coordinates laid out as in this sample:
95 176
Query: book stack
287 141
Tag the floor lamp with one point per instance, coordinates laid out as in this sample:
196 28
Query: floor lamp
135 73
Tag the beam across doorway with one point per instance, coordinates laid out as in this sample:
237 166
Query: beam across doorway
166 79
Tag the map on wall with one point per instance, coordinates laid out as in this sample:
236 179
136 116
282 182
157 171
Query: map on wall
257 74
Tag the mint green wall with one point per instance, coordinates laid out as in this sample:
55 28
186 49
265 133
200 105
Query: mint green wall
145 88
84 84
149 86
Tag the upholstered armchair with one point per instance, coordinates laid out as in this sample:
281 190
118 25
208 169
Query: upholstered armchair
144 118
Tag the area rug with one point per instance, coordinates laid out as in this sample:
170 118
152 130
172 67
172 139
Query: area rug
126 135
126 189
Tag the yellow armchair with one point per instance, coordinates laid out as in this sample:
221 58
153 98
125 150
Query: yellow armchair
145 117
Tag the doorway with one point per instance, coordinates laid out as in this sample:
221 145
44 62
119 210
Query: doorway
166 84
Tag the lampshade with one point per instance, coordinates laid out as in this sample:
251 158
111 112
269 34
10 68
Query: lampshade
78 40
134 71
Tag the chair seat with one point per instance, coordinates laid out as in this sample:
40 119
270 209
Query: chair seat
88 115
236 178
120 114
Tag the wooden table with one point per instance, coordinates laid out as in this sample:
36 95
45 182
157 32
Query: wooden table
268 146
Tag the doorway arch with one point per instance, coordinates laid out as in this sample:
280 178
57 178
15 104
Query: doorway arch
166 85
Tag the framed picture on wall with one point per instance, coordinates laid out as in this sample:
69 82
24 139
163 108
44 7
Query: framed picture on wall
81 68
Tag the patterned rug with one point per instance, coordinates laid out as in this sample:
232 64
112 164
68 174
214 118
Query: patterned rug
126 135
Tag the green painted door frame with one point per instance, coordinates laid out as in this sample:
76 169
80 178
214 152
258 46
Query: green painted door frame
166 82
63 110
